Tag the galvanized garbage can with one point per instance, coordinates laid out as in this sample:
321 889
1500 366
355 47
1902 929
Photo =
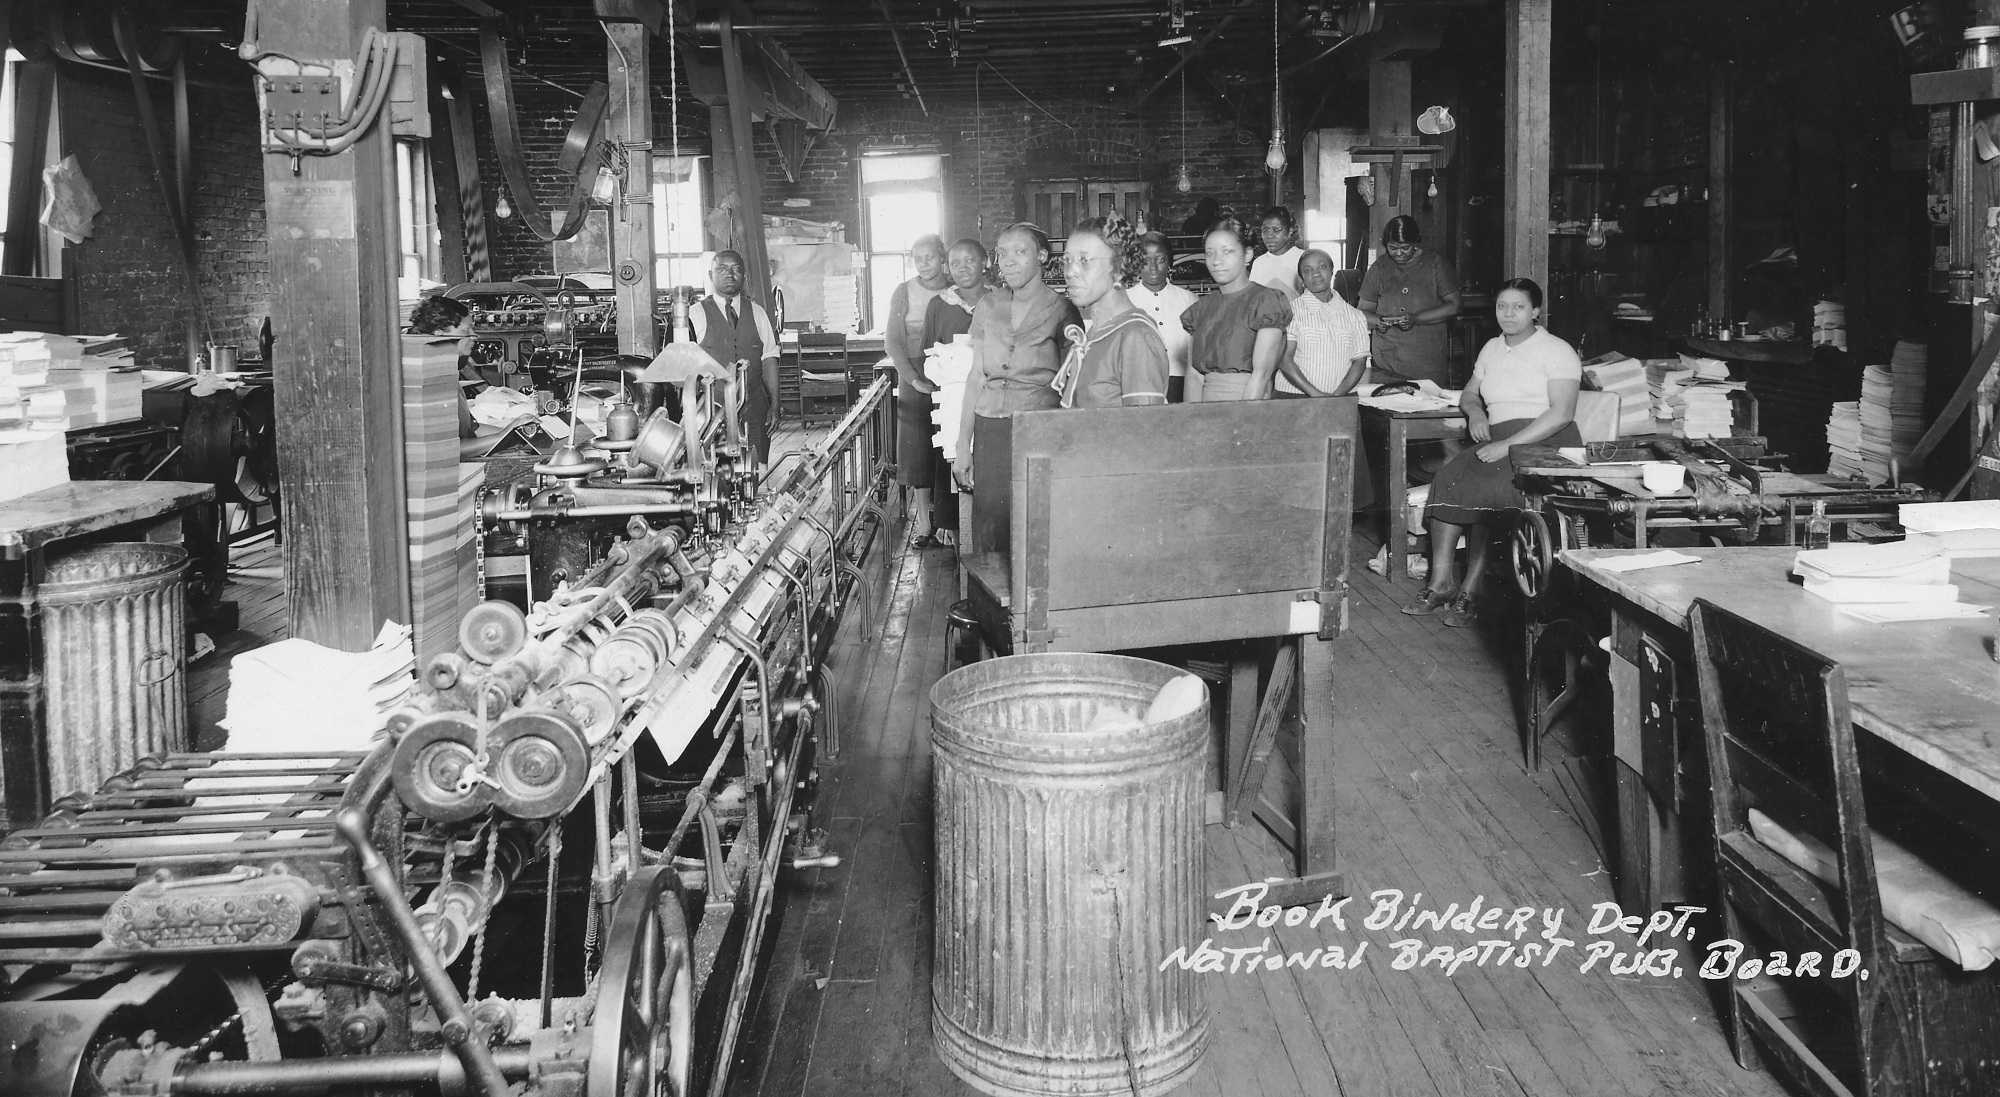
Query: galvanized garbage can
1069 866
114 638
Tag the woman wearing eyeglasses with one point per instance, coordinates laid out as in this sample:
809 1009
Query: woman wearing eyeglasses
1116 358
1239 331
1409 295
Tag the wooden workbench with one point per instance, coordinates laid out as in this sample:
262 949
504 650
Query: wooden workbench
1930 689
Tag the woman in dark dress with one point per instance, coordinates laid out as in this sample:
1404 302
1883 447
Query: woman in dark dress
909 304
1239 330
948 317
1523 391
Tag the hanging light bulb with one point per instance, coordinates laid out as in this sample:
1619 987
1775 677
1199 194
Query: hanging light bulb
1184 182
503 209
1433 191
1274 158
1595 237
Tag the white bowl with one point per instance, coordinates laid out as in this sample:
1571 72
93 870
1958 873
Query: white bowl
1663 477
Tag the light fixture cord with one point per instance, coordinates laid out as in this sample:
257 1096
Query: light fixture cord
1184 144
673 120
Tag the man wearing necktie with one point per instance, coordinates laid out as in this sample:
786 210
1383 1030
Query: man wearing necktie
730 337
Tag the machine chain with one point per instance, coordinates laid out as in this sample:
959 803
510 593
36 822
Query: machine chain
485 888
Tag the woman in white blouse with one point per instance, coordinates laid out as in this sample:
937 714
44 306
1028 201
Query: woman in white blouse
1523 391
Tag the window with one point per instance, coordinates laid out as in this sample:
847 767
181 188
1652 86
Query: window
678 258
48 253
416 217
902 199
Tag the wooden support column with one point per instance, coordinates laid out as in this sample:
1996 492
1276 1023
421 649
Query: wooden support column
1721 150
1525 246
630 124
749 184
333 308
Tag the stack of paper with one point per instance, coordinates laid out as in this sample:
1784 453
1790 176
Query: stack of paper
34 459
1970 528
1894 581
1843 440
48 381
1907 365
296 695
946 365
1830 325
1626 378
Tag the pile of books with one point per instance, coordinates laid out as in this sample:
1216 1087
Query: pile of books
1892 581
1829 328
1694 394
47 381
946 365
1625 378
1966 529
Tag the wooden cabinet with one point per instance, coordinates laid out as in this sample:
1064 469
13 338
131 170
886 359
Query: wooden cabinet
1057 204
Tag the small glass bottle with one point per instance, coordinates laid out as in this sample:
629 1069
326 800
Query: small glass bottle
1700 328
1819 528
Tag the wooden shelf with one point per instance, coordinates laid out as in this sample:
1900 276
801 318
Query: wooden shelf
1954 86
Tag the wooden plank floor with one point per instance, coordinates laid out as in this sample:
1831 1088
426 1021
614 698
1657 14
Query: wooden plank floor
1432 798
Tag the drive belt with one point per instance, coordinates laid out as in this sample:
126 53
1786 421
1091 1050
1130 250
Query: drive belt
580 149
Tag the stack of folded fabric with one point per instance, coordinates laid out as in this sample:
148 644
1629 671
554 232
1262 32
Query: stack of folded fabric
1894 581
1626 378
1830 325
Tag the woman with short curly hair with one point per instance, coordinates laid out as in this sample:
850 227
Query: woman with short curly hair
1116 356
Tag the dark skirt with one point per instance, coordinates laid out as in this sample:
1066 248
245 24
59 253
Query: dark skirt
1467 491
913 437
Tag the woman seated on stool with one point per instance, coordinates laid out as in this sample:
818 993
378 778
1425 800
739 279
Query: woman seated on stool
1523 391
1116 357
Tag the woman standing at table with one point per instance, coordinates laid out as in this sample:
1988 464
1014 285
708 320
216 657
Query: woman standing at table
1016 347
902 338
1239 331
950 316
1409 295
1120 359
1523 391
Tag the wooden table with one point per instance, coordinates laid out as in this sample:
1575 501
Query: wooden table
1396 430
28 526
1928 688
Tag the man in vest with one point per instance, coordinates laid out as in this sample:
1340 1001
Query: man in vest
736 330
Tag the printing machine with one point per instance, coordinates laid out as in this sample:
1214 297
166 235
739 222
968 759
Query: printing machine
548 872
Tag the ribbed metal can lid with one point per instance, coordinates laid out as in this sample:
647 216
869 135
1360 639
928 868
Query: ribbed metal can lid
118 562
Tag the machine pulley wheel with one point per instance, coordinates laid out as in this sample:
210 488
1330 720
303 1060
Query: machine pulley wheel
1532 551
593 704
431 762
492 631
642 1023
538 763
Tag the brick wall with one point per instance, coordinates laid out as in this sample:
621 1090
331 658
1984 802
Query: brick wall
128 275
992 150
544 115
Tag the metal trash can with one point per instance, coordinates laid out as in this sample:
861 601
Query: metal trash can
114 642
1069 865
